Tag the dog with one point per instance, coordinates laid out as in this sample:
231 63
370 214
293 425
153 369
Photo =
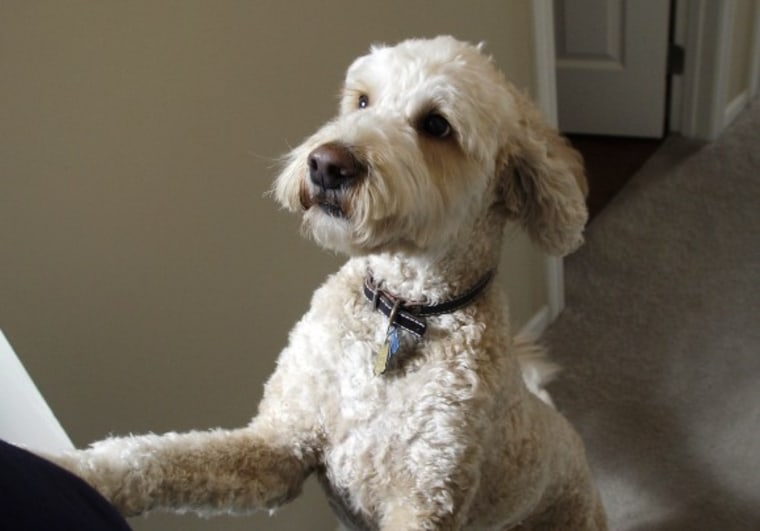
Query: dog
402 388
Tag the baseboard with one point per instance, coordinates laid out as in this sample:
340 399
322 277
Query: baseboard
735 107
536 325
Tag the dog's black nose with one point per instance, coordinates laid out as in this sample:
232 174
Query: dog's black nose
333 166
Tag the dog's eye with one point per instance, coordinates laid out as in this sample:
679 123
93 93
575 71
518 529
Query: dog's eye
436 125
363 101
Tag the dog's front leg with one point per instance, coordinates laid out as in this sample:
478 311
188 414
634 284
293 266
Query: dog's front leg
210 472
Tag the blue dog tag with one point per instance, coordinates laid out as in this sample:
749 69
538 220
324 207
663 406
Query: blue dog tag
390 345
392 340
387 351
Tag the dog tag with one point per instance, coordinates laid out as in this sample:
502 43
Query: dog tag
391 343
387 351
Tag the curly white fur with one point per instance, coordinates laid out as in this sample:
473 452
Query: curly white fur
451 438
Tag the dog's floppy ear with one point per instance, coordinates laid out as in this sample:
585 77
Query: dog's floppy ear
544 183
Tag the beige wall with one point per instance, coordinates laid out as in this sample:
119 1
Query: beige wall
145 280
742 28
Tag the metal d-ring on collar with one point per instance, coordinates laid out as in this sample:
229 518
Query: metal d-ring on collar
411 317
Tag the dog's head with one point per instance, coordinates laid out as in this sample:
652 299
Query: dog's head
430 137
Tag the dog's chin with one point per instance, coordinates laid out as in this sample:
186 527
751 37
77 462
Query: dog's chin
338 234
329 227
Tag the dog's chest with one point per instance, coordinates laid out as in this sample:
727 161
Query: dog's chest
376 426
388 436
370 442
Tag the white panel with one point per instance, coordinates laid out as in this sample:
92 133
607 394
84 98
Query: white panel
25 418
590 34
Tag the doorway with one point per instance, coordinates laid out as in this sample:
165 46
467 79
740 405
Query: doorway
612 86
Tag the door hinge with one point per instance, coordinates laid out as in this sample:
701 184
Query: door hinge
676 59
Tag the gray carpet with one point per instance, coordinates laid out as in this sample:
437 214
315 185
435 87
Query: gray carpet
660 340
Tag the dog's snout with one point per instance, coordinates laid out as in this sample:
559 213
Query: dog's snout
333 166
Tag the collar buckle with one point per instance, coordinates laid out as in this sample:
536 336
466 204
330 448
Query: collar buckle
411 317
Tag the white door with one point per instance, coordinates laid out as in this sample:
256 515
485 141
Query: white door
612 66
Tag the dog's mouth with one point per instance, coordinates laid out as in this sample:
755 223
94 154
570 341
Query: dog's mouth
331 202
332 209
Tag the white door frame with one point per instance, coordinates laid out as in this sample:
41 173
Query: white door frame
700 107
546 98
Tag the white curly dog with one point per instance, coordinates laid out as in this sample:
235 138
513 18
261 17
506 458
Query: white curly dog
402 387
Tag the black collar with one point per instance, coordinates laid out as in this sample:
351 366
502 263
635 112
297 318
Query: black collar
412 316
